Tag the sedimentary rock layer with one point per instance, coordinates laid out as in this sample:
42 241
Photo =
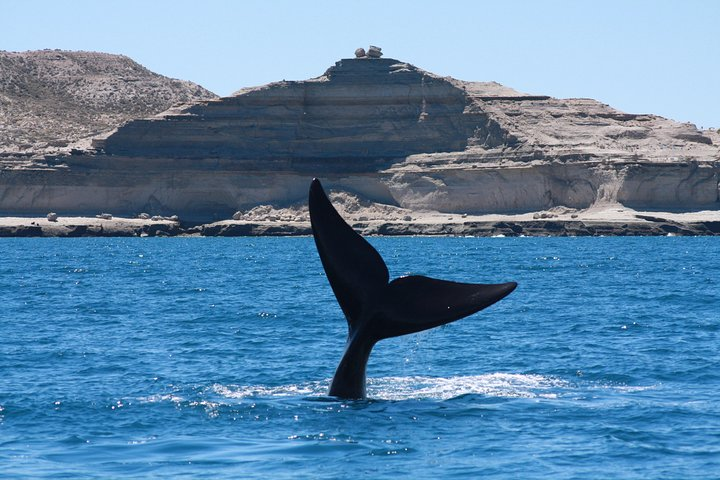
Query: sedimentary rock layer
360 115
388 132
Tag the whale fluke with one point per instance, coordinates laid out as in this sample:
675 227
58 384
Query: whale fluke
374 307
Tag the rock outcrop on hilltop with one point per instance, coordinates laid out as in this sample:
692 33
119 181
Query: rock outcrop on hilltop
50 99
388 132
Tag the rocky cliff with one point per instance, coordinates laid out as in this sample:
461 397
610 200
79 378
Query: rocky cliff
388 132
361 115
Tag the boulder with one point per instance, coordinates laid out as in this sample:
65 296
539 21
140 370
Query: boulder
374 52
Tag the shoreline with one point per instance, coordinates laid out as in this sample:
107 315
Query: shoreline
609 220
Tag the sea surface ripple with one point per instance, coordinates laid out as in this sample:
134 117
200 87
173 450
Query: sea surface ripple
211 358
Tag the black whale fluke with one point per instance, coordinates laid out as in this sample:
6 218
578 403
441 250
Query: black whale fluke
374 308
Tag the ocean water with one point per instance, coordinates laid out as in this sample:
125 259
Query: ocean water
211 358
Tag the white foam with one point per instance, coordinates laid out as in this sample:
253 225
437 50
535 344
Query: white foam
315 389
157 398
498 385
415 387
506 385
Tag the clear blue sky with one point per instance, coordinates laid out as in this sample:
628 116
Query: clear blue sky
638 56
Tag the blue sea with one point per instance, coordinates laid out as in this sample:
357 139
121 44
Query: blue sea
211 358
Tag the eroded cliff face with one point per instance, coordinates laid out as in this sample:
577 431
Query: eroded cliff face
361 115
388 132
523 188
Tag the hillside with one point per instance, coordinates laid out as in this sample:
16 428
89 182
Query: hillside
51 98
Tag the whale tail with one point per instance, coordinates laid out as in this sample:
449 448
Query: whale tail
375 308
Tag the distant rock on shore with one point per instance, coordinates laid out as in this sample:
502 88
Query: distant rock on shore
384 130
641 225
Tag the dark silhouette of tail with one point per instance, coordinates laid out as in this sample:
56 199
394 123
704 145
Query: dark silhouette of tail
374 307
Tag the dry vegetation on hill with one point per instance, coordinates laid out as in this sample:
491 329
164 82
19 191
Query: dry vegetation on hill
51 98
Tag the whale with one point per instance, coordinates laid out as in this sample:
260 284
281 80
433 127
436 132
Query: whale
375 307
